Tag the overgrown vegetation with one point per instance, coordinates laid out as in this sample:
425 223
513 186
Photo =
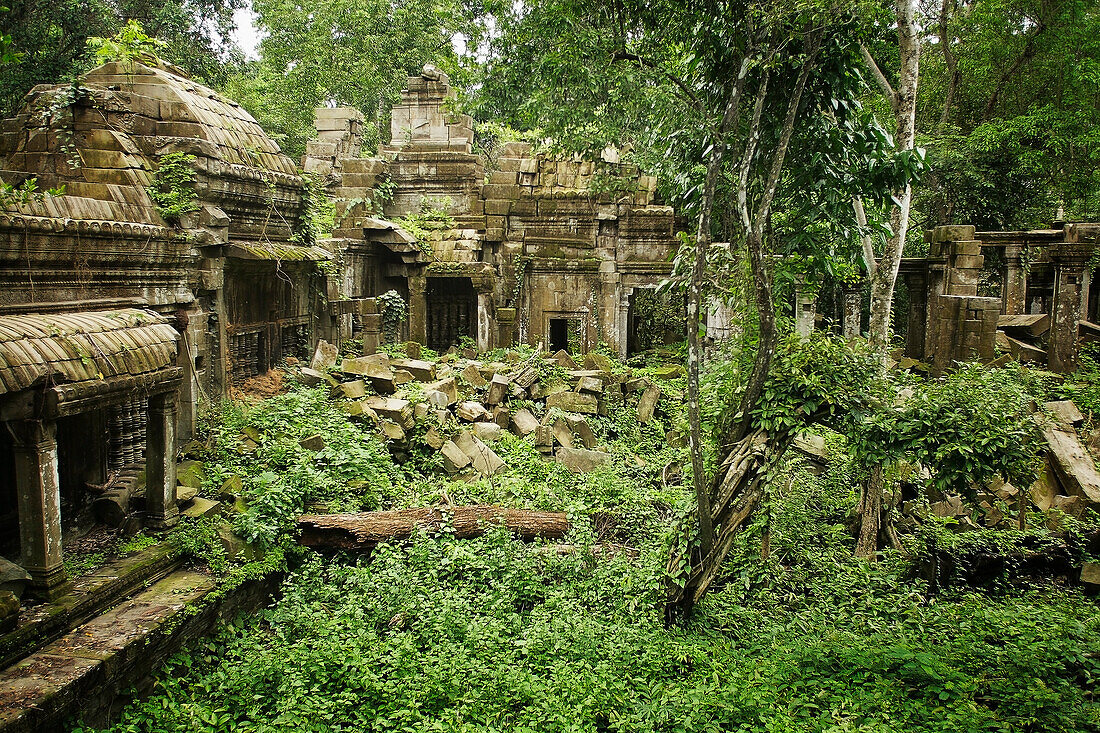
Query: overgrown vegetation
173 189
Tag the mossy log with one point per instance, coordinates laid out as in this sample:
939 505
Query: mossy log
365 530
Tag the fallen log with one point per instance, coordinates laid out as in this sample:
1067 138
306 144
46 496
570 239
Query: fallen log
364 531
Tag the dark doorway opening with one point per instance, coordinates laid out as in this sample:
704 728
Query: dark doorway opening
559 334
452 311
9 509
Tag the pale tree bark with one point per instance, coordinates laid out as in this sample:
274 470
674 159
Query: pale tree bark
884 273
715 158
738 486
904 104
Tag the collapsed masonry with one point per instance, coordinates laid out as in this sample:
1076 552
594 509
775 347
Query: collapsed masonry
115 323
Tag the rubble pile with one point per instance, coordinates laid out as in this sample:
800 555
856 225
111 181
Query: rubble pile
458 406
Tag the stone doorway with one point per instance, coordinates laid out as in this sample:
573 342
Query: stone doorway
565 334
452 311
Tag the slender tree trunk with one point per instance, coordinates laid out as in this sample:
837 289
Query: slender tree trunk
695 306
870 514
904 103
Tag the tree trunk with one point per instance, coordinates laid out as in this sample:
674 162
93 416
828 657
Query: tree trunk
735 493
904 103
870 514
364 531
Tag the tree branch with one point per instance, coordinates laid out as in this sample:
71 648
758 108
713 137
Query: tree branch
1029 52
864 235
642 63
880 78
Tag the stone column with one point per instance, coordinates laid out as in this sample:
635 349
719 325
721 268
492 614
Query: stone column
370 320
916 283
161 511
853 310
418 309
1070 260
1014 284
622 317
484 324
39 500
506 323
805 310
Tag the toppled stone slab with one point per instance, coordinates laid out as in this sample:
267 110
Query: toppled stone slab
13 578
202 507
1065 412
472 411
562 433
524 422
391 408
1073 466
498 387
445 387
473 375
563 359
454 459
580 460
573 402
392 430
185 494
592 385
1090 573
595 360
325 356
314 443
647 403
354 390
482 457
311 377
582 430
421 371
487 431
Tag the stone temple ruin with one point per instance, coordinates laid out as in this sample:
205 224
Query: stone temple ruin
115 322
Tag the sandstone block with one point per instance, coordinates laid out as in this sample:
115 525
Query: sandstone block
573 402
355 390
422 371
497 389
13 578
395 410
563 359
481 456
579 460
454 459
487 431
524 422
590 384
313 443
324 356
473 375
472 411
647 403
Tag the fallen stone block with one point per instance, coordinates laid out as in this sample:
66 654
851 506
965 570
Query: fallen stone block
541 390
473 375
582 430
454 459
669 371
324 356
390 408
185 494
355 390
402 377
647 403
421 410
190 473
498 386
1045 488
524 422
13 578
580 460
487 431
526 376
364 365
392 430
589 384
593 360
573 402
563 359
1074 468
1065 412
422 371
471 411
314 443
413 349
434 439
562 434
201 507
9 611
482 457
448 388
1090 573
310 377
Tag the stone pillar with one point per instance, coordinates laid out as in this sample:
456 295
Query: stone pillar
38 490
805 309
506 323
853 310
622 318
1070 260
916 330
161 511
370 320
418 309
484 324
1014 284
